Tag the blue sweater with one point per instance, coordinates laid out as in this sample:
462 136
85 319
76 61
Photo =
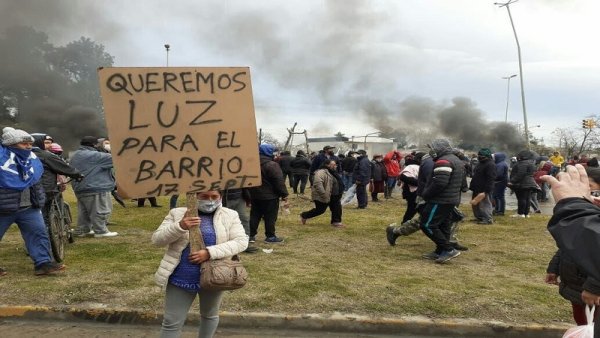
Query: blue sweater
187 275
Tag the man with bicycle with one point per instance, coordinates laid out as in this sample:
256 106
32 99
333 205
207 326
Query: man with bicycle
53 166
22 196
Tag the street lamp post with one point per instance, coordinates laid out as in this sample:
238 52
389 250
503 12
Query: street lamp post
506 4
167 47
507 95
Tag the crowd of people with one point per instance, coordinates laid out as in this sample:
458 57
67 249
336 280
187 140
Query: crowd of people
431 182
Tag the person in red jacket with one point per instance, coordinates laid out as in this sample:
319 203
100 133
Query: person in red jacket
391 161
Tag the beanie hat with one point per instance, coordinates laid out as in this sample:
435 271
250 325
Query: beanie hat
55 148
485 152
89 141
300 152
12 136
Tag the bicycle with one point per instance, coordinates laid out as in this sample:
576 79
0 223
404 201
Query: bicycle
59 226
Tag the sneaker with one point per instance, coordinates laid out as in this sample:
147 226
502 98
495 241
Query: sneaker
252 239
447 255
459 247
106 234
48 269
87 234
538 211
302 220
517 215
391 236
251 249
486 222
274 239
526 216
338 225
431 256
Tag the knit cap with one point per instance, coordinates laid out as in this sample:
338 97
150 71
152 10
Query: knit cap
485 152
12 136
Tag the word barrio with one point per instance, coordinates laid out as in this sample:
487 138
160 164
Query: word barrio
180 130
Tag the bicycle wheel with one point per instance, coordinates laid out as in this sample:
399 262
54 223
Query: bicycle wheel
68 219
57 235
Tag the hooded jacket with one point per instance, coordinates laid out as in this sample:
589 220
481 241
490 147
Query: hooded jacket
521 176
392 165
445 183
501 168
53 165
273 185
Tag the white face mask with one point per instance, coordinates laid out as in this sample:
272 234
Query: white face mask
107 147
208 206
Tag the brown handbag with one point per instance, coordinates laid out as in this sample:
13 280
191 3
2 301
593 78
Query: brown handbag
215 274
223 274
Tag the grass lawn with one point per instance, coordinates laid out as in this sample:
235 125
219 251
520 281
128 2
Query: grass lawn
318 269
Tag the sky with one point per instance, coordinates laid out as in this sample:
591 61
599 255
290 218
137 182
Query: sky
324 63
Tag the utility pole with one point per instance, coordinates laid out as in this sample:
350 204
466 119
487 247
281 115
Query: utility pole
506 4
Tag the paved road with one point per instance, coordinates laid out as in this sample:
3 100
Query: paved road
47 329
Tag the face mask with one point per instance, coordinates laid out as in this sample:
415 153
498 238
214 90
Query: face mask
378 160
107 147
208 206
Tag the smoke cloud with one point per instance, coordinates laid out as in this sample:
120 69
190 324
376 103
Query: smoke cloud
337 54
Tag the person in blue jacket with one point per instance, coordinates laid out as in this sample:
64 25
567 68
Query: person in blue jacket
22 197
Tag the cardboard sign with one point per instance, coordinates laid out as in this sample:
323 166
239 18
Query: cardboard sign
180 130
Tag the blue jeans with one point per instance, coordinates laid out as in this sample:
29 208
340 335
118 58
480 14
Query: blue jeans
499 199
33 230
390 182
347 179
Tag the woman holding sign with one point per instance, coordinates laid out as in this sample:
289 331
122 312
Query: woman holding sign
179 270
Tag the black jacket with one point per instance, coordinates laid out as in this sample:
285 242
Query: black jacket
362 170
284 163
300 165
273 185
53 165
571 277
484 177
445 183
575 226
378 171
10 199
521 175
348 164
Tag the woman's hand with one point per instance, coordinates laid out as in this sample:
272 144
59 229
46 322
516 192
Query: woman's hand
187 222
199 256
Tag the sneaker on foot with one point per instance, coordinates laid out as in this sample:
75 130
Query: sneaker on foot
517 215
457 246
252 239
274 239
447 255
106 234
489 221
87 234
431 255
48 268
338 225
391 236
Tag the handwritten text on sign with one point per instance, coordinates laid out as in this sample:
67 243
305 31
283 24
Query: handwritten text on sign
179 130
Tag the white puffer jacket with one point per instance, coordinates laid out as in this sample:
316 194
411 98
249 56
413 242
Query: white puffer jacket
231 239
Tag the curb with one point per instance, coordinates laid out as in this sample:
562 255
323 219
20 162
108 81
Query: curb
310 322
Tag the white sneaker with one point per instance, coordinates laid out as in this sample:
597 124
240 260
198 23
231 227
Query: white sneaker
106 234
517 215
